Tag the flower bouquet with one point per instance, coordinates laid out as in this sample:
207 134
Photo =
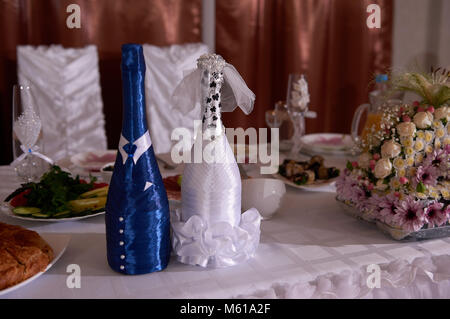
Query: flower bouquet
401 179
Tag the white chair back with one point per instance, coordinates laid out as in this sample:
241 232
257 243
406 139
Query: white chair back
65 85
165 67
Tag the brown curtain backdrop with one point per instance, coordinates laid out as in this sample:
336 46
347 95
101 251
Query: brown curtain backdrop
105 23
327 40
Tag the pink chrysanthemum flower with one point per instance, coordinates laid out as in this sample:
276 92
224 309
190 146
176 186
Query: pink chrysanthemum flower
344 185
372 204
387 205
410 215
436 215
439 159
348 188
427 175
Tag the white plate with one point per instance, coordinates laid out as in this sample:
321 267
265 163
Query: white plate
317 184
7 210
328 143
93 161
59 243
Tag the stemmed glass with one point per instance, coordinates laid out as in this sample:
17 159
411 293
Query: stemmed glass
279 118
297 106
29 162
276 117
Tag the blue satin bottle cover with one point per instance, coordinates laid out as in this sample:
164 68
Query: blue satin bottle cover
137 210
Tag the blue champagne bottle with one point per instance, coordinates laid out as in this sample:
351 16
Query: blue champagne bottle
137 210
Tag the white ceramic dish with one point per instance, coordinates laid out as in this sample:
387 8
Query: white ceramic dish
59 243
106 175
265 194
317 184
93 161
327 144
6 209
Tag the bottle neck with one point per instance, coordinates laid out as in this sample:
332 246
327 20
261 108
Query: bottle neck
134 122
211 84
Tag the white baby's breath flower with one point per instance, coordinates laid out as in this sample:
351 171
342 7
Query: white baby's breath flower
423 119
383 168
390 149
406 129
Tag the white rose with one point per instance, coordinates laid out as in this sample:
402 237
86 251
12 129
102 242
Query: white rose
364 160
423 119
442 113
406 129
383 168
390 149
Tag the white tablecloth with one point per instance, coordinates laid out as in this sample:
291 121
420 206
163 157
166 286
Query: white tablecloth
310 248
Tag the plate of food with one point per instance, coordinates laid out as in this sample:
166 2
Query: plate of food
327 143
93 161
307 174
25 255
57 197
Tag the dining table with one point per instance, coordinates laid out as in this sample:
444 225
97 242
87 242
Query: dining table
309 249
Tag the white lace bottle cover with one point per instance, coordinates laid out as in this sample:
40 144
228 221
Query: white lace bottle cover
209 229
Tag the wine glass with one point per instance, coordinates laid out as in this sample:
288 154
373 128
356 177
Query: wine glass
297 106
26 135
279 118
276 117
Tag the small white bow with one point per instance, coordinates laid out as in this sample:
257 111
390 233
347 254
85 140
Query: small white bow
31 151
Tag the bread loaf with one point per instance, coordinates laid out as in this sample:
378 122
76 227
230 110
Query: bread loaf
23 253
